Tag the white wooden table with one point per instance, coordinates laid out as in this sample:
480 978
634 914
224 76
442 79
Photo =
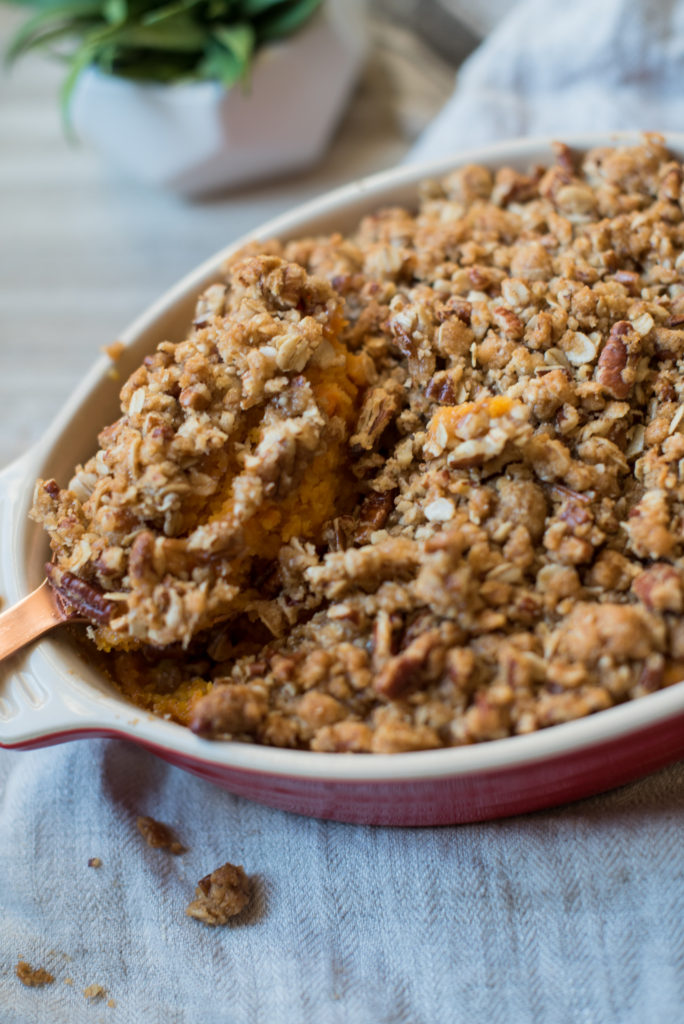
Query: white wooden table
83 251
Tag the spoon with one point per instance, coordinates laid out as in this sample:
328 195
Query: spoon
37 613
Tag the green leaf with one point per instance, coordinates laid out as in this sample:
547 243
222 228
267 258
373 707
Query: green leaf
143 66
179 33
238 40
220 10
252 8
115 11
80 60
221 65
29 35
283 23
158 14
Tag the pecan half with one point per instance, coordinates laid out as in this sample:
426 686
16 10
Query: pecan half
82 597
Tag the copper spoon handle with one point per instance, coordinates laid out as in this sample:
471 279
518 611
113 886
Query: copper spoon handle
30 618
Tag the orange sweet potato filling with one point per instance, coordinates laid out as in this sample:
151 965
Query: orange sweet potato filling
449 416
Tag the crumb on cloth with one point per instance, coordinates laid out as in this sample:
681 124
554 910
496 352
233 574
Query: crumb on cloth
158 835
221 895
94 862
33 977
95 992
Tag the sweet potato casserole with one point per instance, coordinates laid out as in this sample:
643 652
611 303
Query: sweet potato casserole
416 487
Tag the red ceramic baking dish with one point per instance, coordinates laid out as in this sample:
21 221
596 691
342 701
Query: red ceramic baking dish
48 694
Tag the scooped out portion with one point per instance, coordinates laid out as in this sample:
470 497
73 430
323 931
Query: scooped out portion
230 443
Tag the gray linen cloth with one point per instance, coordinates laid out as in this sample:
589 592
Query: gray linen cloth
571 915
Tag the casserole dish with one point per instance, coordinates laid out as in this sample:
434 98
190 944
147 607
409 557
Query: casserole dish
50 694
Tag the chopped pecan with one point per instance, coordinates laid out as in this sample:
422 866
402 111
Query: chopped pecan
630 279
574 513
456 306
513 187
442 388
373 514
566 158
384 639
613 370
380 406
652 674
196 397
659 588
508 322
405 669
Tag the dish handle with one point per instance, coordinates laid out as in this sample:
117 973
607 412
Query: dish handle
30 713
13 484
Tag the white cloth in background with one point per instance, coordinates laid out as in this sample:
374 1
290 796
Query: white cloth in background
570 915
552 67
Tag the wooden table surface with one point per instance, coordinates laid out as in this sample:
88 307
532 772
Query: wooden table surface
83 250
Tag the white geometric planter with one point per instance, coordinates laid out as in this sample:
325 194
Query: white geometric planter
199 137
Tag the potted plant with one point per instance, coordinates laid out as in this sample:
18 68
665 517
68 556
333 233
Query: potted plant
197 95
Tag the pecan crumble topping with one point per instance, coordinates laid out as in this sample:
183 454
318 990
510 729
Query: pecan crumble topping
221 895
415 487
